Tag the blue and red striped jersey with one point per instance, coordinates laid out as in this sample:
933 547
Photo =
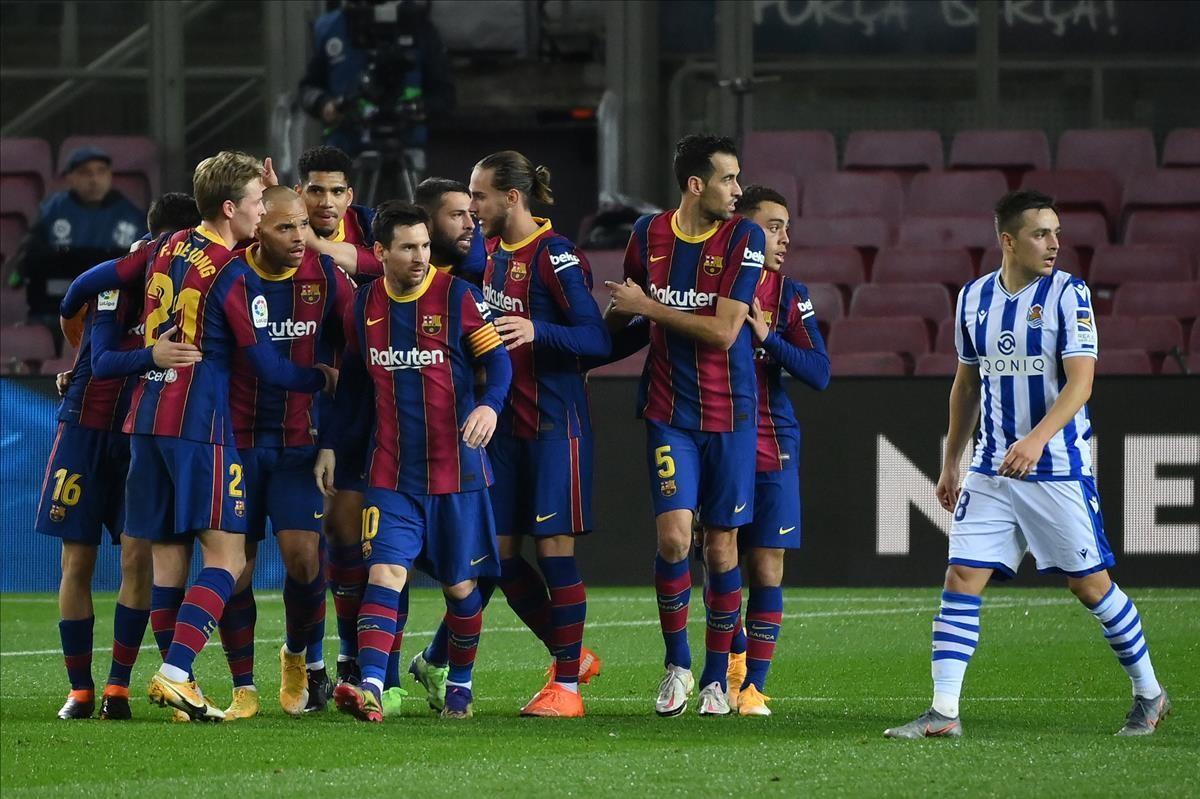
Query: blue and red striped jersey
545 279
420 352
355 228
95 402
194 281
686 383
303 304
794 343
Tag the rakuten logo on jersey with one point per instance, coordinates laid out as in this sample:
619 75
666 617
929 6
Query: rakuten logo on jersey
415 358
690 300
290 329
501 301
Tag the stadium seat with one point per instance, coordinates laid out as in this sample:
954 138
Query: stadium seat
1013 152
800 152
1194 340
134 158
1124 362
955 193
1181 300
20 156
975 232
606 265
12 229
20 197
1155 334
1162 189
1121 152
1113 265
907 334
841 194
777 179
936 363
840 265
1083 230
1182 148
627 367
867 364
13 307
1067 261
912 265
893 151
63 363
827 301
23 345
864 232
930 301
1170 365
944 341
1181 228
1079 190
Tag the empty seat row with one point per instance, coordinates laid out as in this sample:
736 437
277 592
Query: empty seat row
27 162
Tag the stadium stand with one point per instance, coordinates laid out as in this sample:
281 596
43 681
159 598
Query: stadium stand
827 300
800 152
936 363
1191 361
1165 189
867 364
1123 152
1124 362
867 233
12 306
975 232
1113 265
943 342
840 265
20 197
1154 334
12 228
606 265
1085 231
779 180
951 268
1067 261
1165 227
851 194
1181 300
902 334
930 301
27 156
903 152
954 193
1182 148
23 347
135 165
1079 190
1013 152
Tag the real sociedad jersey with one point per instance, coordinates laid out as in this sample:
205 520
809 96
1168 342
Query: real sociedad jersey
101 403
302 304
545 279
1019 342
419 352
685 383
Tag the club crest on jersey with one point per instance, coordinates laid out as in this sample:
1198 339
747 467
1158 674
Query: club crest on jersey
517 271
1034 317
239 508
431 323
311 293
768 318
57 512
713 264
667 488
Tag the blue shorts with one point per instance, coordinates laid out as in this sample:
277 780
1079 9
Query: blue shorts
450 537
178 488
711 471
541 487
349 471
280 486
776 523
84 487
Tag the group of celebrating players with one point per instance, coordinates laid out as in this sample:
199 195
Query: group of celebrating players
441 406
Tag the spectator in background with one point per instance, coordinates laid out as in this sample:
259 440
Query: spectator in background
88 223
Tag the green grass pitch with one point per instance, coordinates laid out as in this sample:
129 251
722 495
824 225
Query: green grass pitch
1043 697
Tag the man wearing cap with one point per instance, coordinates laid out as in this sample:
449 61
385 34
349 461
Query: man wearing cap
84 225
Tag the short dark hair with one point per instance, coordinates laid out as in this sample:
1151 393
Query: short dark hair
1010 207
430 191
172 212
393 214
693 156
512 170
754 196
323 158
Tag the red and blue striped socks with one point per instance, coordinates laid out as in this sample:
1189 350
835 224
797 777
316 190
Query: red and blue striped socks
528 596
347 579
392 676
673 584
464 620
568 610
722 607
236 627
202 606
76 636
764 614
129 627
376 632
164 611
302 602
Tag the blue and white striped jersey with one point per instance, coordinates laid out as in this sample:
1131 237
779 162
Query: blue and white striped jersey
1019 342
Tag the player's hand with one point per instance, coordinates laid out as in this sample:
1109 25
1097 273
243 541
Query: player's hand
170 354
62 381
73 328
477 430
758 321
628 297
311 239
323 471
139 244
331 377
948 487
269 178
514 331
1021 458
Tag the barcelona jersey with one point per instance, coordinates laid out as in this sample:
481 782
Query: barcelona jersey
101 403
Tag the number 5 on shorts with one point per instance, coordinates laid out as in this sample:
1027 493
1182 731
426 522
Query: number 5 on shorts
664 461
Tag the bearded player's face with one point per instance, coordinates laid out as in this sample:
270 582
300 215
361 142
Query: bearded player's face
406 259
720 194
488 204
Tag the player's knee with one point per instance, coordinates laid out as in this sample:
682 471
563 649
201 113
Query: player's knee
136 561
388 575
674 536
966 579
78 563
509 546
1090 589
556 546
459 591
301 563
720 549
764 567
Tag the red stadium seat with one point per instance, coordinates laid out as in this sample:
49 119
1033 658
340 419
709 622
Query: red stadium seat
63 363
868 364
1083 230
1113 265
13 308
864 232
1121 152
627 367
1162 189
840 194
1067 261
21 345
893 150
779 180
976 232
936 363
827 301
930 301
913 265
944 341
1124 362
840 265
20 197
1013 152
12 229
1181 300
1157 334
27 157
134 158
606 265
1192 362
800 152
1182 148
1165 227
907 334
955 193
1079 190
1194 340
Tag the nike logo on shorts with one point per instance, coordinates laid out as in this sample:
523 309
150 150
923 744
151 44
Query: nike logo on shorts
318 515
477 561
548 516
785 530
740 508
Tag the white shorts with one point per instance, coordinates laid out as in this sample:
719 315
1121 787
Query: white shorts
998 519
